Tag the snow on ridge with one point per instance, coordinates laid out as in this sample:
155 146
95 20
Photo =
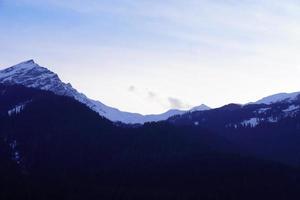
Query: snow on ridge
291 111
277 98
291 108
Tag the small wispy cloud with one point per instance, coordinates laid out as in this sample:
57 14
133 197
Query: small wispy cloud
151 95
132 88
176 103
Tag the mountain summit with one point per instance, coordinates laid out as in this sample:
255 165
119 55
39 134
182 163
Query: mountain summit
32 75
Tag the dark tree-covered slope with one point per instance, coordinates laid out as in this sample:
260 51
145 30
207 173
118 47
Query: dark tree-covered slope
267 131
53 147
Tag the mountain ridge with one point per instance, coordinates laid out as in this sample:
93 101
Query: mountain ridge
30 74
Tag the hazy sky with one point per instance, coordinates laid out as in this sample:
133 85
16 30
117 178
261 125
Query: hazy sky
149 56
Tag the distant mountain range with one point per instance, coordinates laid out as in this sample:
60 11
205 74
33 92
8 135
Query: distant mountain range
32 75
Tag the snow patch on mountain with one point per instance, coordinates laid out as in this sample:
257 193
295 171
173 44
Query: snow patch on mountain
272 119
262 110
17 109
253 122
16 157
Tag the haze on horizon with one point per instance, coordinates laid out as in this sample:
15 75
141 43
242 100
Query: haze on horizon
150 56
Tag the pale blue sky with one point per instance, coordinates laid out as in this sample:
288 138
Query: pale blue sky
140 55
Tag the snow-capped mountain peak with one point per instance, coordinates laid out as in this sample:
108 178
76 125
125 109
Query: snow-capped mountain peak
278 98
30 74
19 68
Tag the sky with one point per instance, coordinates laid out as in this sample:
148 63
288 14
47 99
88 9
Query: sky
149 56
